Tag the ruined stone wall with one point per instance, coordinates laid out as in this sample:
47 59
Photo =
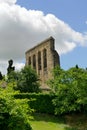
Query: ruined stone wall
43 58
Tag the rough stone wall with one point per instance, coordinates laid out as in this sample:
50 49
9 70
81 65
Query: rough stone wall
43 58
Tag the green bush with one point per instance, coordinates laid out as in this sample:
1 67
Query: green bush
26 80
70 88
40 102
14 113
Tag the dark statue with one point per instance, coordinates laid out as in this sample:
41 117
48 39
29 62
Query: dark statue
10 67
1 77
77 66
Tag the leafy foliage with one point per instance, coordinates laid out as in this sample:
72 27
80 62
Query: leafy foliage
70 88
26 80
41 102
14 113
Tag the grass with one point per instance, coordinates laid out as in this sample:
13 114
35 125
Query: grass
49 122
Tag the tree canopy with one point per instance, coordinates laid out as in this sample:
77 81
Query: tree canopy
70 88
26 80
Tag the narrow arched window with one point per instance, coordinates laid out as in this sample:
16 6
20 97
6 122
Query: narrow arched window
29 61
34 61
45 58
39 60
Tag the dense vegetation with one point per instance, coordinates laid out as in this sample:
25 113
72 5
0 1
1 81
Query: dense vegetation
20 93
14 113
41 102
25 80
68 93
70 88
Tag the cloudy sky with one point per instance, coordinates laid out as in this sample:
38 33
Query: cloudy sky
24 23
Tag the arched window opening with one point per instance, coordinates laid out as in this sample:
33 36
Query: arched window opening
39 60
45 58
29 62
34 61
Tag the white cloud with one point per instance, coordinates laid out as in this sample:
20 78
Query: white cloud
8 1
21 29
19 66
3 67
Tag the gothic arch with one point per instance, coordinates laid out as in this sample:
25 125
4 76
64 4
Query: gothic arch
39 60
34 61
45 58
29 61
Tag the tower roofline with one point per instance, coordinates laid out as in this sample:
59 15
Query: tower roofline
39 44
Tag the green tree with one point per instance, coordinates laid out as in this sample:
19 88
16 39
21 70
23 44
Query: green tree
14 113
70 88
26 80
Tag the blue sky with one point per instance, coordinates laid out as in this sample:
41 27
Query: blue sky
25 23
72 12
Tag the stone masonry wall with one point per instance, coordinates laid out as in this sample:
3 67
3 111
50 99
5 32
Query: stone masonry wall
43 58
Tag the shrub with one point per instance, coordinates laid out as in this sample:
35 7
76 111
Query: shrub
70 88
14 113
40 102
26 80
